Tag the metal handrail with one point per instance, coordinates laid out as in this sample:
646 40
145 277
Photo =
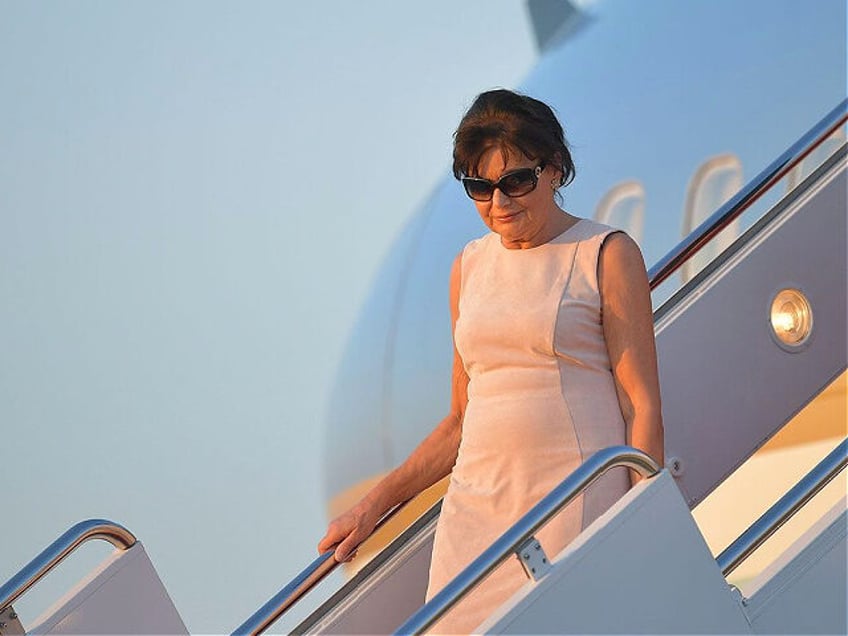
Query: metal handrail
308 578
748 195
783 510
57 551
517 535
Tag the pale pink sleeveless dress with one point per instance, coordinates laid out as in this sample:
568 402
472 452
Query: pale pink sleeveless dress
541 400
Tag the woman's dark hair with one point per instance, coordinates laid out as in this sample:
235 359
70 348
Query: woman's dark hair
508 120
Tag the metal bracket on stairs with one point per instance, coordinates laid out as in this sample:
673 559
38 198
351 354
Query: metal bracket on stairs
533 559
10 624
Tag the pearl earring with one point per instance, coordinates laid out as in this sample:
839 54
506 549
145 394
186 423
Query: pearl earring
554 184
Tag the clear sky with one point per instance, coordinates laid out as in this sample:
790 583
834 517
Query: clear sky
194 199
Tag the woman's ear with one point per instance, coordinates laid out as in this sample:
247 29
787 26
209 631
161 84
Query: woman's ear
557 166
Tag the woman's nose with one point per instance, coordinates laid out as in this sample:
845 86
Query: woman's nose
500 199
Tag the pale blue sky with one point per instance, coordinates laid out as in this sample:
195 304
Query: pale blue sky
194 198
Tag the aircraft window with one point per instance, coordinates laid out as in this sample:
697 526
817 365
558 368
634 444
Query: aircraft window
623 206
714 182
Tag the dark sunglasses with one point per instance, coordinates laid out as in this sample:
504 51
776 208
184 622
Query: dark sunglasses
513 184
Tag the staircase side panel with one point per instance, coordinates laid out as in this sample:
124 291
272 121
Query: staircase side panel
808 593
123 596
726 385
386 600
642 567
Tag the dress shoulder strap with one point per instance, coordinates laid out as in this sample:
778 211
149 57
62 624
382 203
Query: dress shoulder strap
590 238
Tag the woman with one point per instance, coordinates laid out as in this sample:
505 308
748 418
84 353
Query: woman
554 359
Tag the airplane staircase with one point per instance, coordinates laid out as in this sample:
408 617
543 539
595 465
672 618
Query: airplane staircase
729 383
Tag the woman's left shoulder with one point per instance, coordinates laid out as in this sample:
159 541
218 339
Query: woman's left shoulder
607 238
620 243
602 232
620 259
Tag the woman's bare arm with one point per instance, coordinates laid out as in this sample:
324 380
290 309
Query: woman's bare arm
428 463
629 332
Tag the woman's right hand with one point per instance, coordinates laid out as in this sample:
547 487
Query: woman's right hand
348 530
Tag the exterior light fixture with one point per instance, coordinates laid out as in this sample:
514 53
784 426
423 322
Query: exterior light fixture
791 319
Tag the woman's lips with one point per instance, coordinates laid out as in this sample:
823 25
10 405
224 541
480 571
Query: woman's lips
506 218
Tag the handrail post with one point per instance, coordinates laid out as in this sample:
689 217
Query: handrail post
57 551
